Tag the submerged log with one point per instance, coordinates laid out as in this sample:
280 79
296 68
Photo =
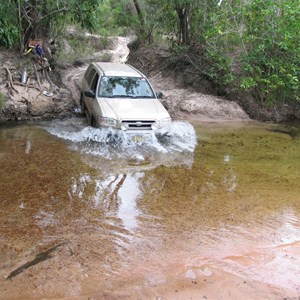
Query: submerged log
38 258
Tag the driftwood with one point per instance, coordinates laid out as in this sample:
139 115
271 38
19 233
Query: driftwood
9 76
10 83
49 80
27 86
37 77
44 70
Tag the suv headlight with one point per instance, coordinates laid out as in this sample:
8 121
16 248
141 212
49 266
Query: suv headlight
161 123
164 122
107 122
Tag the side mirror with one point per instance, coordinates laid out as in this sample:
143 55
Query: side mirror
89 94
159 95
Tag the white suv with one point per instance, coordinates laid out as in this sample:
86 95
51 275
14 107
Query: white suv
119 96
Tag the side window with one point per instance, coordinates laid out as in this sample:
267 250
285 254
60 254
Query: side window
89 76
94 83
88 70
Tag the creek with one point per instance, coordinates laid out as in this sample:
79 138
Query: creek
200 208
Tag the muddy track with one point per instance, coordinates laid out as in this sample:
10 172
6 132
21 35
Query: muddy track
72 76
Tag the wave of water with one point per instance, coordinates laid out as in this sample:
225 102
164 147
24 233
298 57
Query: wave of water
178 138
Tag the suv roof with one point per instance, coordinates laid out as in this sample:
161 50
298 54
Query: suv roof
118 69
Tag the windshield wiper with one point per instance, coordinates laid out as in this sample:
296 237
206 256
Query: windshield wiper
121 96
127 96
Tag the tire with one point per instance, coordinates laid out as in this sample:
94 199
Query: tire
82 105
93 122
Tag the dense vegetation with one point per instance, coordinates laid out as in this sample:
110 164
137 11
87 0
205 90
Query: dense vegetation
247 44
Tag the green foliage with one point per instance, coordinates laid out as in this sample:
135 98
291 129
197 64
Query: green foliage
116 18
85 12
3 99
24 19
220 67
251 45
271 62
9 32
163 17
179 50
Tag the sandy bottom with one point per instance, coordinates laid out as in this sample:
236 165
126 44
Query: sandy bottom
226 226
264 274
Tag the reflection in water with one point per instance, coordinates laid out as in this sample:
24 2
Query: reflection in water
290 226
113 194
227 158
230 181
129 193
27 147
155 223
78 188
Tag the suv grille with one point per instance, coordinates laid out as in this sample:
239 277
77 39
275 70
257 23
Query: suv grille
138 125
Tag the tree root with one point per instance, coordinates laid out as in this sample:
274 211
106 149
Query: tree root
10 83
37 77
27 86
49 80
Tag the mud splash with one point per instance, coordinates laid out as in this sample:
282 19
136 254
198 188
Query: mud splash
148 150
225 226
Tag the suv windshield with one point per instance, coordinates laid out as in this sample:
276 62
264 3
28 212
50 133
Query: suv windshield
125 87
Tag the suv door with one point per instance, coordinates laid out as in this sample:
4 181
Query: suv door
91 103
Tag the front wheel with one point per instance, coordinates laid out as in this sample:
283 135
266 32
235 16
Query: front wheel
82 105
93 122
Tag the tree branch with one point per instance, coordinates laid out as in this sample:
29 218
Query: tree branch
53 13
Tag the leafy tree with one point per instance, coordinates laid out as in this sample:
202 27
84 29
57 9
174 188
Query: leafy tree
173 16
9 30
271 61
252 45
36 18
118 17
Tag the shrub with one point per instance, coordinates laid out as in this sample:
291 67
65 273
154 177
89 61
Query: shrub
3 99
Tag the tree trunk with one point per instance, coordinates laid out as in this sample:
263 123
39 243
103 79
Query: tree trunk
139 12
33 11
183 15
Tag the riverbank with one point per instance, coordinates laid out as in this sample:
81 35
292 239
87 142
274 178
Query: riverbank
49 94
59 97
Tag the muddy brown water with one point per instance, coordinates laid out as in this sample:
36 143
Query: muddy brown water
224 226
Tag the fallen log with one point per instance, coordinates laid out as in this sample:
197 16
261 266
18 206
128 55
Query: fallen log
38 258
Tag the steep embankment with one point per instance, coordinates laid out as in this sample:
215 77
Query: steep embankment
39 97
191 93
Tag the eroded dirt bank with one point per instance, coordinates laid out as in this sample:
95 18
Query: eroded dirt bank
188 94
